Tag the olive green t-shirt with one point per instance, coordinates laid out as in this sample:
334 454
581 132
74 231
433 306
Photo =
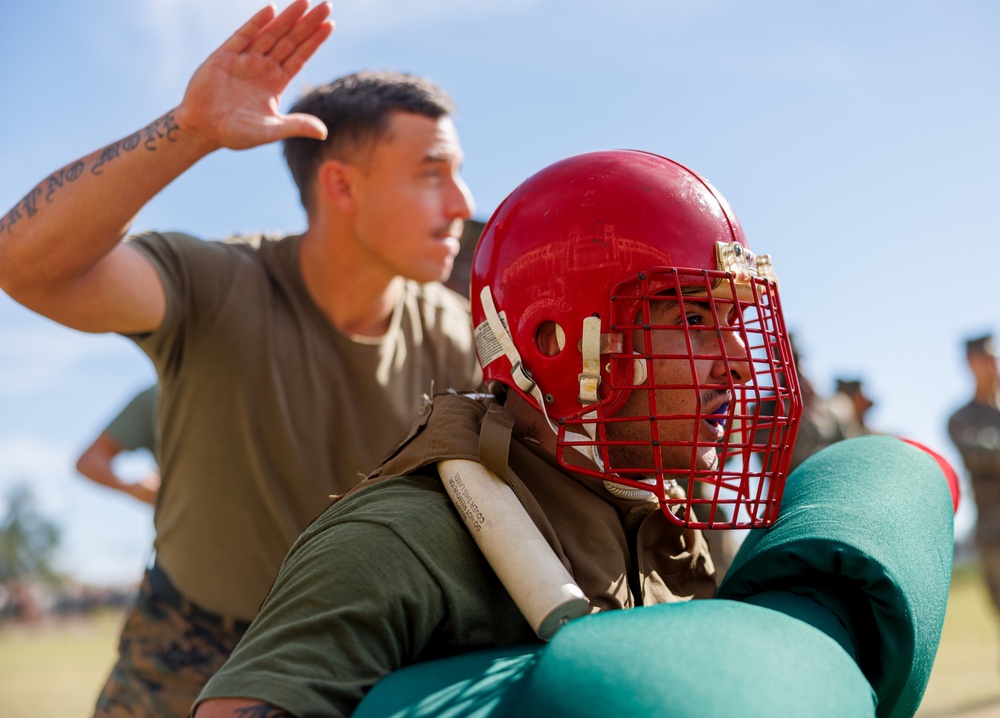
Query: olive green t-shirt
266 409
135 426
336 621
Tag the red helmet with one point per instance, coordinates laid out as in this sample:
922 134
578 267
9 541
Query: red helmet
616 293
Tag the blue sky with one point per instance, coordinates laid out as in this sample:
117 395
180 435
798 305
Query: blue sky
856 141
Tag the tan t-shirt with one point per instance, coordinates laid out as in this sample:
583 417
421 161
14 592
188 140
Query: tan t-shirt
266 409
975 431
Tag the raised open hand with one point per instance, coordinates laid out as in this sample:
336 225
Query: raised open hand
232 99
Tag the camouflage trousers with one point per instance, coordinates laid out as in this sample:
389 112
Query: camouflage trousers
165 658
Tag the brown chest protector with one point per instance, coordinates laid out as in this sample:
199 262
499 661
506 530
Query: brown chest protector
620 553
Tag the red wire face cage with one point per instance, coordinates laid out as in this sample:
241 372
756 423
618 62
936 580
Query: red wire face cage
615 291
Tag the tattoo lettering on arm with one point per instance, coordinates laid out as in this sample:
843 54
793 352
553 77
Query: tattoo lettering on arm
162 129
149 138
27 206
66 174
108 154
12 217
263 711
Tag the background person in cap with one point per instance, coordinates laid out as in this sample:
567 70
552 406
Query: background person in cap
975 429
851 405
820 424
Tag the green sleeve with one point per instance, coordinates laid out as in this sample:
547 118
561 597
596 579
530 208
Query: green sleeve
335 622
135 426
866 538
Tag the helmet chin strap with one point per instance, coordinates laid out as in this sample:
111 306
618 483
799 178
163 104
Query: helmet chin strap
630 493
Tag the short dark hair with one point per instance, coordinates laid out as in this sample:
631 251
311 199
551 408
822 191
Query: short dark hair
849 386
356 110
980 345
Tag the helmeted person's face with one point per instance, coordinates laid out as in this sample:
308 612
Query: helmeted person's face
411 200
691 398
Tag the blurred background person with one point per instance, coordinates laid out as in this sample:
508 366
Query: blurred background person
851 405
975 430
820 425
133 429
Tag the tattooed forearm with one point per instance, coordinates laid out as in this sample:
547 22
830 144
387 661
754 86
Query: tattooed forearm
66 174
262 711
149 138
27 206
163 128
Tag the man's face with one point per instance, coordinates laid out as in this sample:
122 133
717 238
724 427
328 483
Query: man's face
984 368
861 404
698 387
410 199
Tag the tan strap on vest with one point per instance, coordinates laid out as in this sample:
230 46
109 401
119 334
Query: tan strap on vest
494 440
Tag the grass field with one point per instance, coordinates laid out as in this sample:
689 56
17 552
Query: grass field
56 669
965 682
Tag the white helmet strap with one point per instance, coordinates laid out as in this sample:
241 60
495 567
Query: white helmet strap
590 347
497 328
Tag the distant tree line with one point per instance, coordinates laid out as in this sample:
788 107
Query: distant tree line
28 542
